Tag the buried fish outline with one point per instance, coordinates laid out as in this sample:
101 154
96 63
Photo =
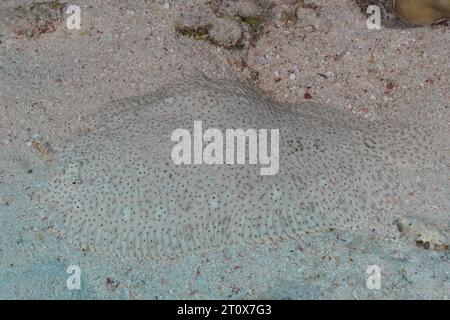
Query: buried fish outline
116 190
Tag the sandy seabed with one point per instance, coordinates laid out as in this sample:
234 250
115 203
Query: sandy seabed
53 78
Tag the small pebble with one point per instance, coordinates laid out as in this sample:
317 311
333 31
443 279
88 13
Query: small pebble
261 60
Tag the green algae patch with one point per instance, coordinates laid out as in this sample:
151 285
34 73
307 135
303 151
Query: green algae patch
196 33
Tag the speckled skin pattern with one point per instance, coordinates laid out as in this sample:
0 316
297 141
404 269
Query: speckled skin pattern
115 188
422 11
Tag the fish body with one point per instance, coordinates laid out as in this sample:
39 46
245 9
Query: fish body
117 189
